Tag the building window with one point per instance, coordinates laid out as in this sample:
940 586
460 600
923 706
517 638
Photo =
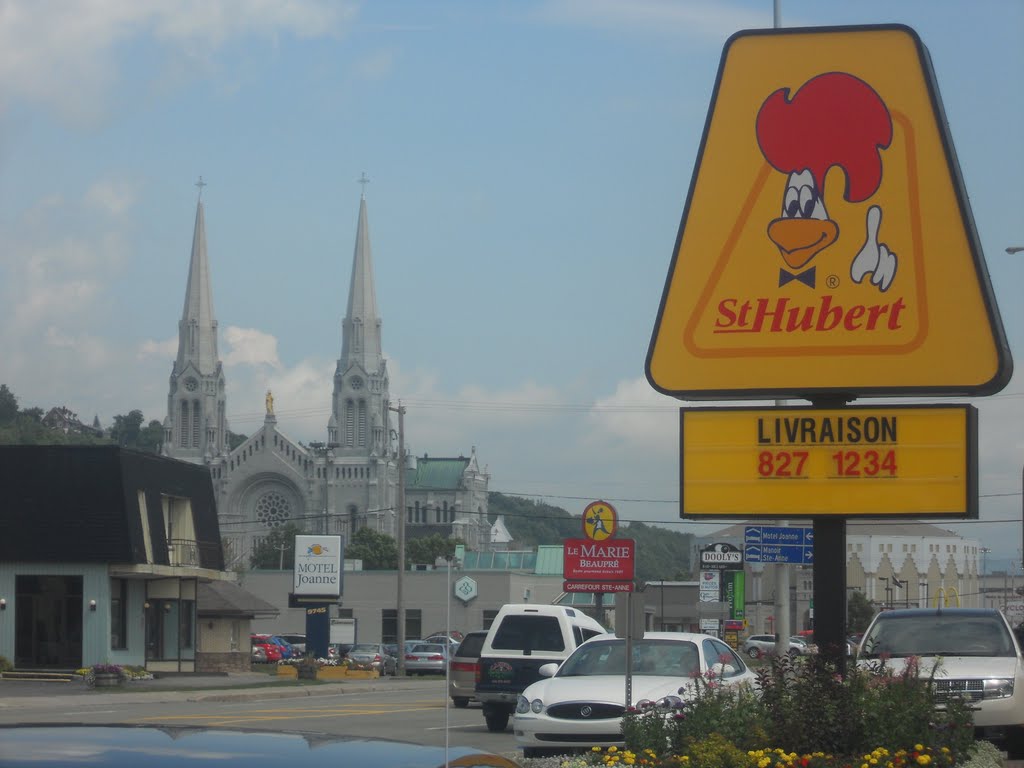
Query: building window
118 614
362 422
183 422
350 419
489 617
186 610
389 624
196 410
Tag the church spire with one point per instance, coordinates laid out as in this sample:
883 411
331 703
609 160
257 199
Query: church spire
361 329
196 426
197 330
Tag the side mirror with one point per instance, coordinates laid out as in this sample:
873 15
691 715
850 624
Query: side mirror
723 670
548 670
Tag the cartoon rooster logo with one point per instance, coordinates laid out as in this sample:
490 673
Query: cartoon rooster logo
834 119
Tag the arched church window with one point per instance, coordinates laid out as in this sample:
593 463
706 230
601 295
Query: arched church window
350 419
196 412
362 423
183 421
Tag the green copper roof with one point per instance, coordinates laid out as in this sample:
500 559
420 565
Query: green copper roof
442 474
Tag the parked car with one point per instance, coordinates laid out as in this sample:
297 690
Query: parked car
373 656
522 638
337 651
259 654
287 651
463 668
579 704
296 640
271 651
427 659
978 657
806 643
757 646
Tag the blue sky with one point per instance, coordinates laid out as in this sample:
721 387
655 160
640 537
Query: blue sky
528 162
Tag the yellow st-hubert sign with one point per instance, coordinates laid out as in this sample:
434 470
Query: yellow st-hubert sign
858 461
827 245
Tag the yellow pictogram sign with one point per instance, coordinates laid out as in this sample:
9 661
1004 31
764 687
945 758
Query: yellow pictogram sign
827 246
600 520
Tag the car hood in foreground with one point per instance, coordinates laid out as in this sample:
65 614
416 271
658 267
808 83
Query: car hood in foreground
153 747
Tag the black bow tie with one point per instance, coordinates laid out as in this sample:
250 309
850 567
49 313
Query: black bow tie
806 277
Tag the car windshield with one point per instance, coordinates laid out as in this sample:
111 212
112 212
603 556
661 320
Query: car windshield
428 648
650 657
364 648
938 634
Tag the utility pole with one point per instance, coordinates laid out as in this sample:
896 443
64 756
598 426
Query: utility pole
399 590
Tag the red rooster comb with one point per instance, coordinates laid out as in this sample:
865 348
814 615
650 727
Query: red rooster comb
833 119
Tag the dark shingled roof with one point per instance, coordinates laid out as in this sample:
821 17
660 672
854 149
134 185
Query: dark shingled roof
225 598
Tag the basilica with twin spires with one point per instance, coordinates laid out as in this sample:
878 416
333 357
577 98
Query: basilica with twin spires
347 482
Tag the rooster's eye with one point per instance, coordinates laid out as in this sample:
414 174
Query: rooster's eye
791 203
807 200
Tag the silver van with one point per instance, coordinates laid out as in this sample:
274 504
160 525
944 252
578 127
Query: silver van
463 667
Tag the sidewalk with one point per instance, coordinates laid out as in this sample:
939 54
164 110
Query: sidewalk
241 686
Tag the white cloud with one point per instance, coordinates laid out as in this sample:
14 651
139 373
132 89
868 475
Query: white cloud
709 19
63 55
111 197
248 346
162 350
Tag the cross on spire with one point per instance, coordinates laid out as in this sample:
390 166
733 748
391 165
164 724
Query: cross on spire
364 180
200 184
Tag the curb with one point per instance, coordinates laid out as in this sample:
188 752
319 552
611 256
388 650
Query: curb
212 694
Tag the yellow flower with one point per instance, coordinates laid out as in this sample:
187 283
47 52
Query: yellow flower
919 747
924 759
613 749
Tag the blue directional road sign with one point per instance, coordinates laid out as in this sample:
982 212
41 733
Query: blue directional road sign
769 544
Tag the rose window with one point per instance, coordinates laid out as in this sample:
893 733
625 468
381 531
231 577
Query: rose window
272 509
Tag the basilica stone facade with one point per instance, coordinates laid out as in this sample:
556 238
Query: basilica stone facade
347 482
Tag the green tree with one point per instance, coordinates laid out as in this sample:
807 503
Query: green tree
378 551
8 405
235 440
151 437
277 550
859 612
428 548
126 429
35 414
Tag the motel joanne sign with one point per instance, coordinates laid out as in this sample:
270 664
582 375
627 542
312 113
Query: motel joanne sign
318 566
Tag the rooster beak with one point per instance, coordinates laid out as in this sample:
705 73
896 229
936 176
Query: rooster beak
800 240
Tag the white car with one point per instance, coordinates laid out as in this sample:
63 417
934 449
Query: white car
579 704
978 657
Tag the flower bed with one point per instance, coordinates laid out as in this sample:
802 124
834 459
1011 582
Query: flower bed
800 714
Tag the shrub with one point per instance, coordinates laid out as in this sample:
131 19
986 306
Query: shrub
803 707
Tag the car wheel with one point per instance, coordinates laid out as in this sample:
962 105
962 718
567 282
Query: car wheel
754 653
461 702
496 721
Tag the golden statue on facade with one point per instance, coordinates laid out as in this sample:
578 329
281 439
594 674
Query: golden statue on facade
270 403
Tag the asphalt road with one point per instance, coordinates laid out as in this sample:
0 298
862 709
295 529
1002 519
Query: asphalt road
412 709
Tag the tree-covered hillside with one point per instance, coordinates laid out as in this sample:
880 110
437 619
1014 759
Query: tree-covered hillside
660 553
